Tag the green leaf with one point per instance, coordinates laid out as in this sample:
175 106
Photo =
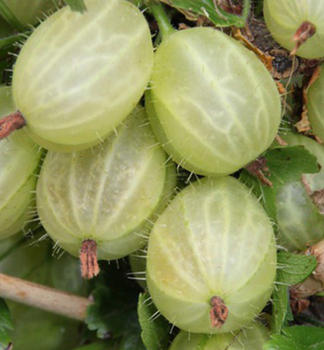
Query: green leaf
297 338
258 7
155 330
10 18
266 194
9 40
5 325
285 164
77 5
101 345
208 8
114 313
294 268
280 308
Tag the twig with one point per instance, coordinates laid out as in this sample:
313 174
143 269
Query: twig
42 297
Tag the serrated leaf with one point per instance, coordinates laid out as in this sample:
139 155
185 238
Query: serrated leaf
5 325
294 268
208 8
280 308
297 338
133 341
155 331
285 164
114 312
77 5
266 194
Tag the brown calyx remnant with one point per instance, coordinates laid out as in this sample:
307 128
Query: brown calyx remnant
313 284
218 313
260 169
302 34
88 259
11 123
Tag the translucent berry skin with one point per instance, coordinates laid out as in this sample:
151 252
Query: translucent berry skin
214 239
109 193
283 18
79 75
19 159
299 220
212 103
315 105
30 12
252 337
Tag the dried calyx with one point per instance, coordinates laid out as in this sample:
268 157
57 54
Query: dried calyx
305 31
218 312
88 259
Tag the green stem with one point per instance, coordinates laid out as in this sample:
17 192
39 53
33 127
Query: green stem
161 17
258 8
305 318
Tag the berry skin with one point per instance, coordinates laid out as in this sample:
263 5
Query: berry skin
72 78
19 159
300 221
253 337
104 199
212 103
211 258
30 12
285 18
315 105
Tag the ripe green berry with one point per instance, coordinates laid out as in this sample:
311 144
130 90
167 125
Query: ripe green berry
300 222
285 18
30 12
315 105
106 196
211 257
212 103
79 75
19 159
253 337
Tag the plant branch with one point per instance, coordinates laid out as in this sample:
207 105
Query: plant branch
43 297
161 17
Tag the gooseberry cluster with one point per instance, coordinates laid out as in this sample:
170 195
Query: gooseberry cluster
108 182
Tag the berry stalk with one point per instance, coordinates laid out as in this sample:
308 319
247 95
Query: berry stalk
42 297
